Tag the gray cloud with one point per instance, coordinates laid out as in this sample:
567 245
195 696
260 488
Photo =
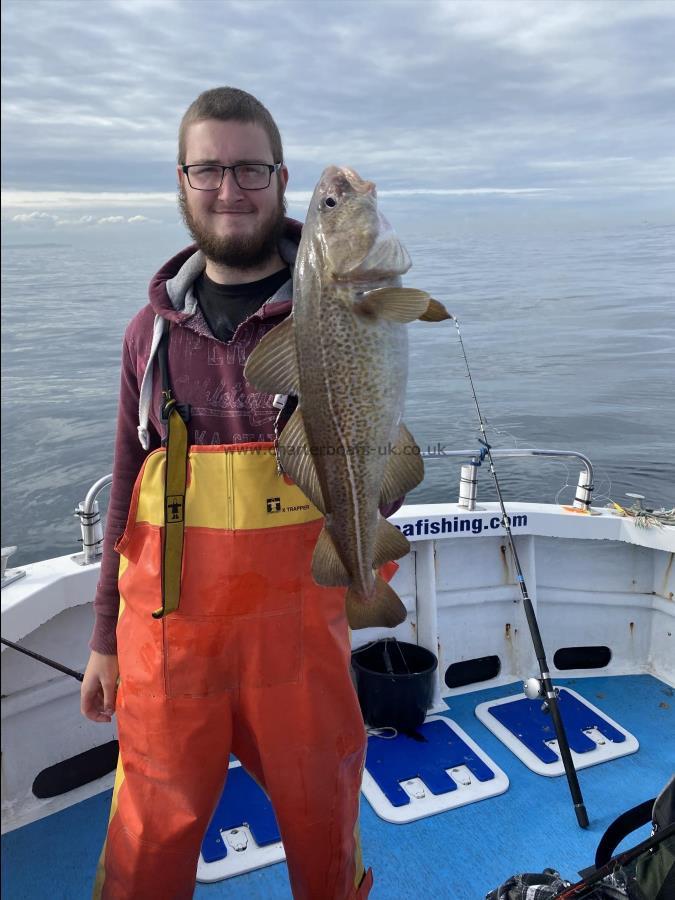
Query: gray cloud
570 98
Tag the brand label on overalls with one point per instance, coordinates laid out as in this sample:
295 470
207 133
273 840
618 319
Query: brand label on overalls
174 508
274 506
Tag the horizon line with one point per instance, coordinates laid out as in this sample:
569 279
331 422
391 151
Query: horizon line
13 198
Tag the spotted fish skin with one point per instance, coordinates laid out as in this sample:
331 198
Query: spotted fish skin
352 378
344 353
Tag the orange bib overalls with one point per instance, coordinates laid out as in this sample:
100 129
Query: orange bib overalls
254 661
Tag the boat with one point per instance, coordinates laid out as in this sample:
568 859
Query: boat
601 581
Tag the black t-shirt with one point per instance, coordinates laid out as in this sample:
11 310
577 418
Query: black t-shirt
226 306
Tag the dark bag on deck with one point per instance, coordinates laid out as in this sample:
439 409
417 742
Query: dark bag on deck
645 872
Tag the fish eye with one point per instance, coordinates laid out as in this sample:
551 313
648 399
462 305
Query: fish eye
330 202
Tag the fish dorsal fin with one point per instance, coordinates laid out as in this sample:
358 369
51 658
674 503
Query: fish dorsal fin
390 543
385 609
327 567
297 461
404 470
436 312
397 304
273 364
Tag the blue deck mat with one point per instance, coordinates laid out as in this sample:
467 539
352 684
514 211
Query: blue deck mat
242 802
436 749
456 855
527 721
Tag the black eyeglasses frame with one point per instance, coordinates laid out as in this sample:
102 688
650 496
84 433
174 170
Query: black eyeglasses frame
271 167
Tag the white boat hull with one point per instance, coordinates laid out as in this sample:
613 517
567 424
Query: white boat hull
594 581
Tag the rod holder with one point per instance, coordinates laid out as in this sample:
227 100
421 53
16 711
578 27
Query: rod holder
468 485
92 531
90 524
9 576
582 498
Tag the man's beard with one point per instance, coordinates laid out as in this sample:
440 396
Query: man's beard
237 251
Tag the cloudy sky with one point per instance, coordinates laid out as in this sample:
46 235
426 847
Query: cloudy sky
484 103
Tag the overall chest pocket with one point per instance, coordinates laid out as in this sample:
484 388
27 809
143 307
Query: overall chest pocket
200 655
210 655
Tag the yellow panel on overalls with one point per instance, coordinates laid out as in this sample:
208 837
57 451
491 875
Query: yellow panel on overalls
254 661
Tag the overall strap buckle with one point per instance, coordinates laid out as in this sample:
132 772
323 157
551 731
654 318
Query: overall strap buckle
184 410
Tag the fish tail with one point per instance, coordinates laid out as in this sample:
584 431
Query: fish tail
383 608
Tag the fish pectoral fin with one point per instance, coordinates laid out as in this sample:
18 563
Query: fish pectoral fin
397 304
327 567
385 609
404 470
296 459
435 312
273 363
386 257
390 543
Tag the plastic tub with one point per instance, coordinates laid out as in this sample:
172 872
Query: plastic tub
394 683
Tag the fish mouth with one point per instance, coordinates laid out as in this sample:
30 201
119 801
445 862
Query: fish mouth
344 179
360 185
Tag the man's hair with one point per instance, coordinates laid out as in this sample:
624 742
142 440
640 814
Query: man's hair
230 104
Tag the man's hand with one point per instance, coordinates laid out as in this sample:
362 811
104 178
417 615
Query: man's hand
99 687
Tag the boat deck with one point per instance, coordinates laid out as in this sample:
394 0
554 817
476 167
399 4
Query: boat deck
457 855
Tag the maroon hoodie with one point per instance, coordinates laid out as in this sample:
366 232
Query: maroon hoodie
206 373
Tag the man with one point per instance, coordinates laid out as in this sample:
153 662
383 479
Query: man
225 642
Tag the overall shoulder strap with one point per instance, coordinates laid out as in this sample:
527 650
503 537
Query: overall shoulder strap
183 409
175 481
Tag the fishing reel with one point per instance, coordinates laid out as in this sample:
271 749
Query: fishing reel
534 689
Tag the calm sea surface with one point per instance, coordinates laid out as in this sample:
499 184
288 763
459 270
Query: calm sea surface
571 342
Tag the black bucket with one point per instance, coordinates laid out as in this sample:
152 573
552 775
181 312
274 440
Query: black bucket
394 683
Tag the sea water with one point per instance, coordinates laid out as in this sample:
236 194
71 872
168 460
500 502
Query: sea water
570 338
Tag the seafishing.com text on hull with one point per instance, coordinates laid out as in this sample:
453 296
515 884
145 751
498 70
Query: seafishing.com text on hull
459 524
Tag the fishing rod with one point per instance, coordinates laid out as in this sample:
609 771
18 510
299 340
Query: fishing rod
545 686
44 659
580 888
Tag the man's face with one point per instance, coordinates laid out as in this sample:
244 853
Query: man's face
233 227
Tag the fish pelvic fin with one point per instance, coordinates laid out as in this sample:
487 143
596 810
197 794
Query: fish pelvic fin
390 543
297 461
327 567
385 609
404 470
273 363
435 312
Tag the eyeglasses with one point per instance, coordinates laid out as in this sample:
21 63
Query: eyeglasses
248 176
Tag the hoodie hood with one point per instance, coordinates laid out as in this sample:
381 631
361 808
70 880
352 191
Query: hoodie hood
171 291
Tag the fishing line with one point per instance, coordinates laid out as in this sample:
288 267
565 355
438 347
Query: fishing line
607 497
547 691
386 732
567 484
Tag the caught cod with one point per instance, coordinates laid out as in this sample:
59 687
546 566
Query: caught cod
344 353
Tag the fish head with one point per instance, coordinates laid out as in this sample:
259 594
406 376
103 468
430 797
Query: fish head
346 229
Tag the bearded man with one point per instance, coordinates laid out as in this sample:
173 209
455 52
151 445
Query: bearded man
210 636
